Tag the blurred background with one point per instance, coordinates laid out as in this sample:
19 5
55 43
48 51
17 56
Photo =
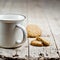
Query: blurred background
46 8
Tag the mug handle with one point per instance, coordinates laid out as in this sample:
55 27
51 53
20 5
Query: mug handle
24 34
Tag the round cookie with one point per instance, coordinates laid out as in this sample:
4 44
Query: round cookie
33 31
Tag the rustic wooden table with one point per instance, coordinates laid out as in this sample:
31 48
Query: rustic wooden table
46 14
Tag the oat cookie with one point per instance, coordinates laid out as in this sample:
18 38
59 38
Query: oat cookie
44 41
33 30
36 43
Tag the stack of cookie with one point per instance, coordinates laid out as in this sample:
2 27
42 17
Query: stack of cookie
34 31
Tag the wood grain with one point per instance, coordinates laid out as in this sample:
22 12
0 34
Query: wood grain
44 13
15 7
36 15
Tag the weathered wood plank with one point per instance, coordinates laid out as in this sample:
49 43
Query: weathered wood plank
36 11
52 14
15 7
37 16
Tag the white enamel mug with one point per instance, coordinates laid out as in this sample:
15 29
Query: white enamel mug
9 31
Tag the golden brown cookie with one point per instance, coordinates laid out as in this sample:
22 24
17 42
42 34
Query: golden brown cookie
33 30
44 41
36 43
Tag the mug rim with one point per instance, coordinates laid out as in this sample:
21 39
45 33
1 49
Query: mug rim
9 18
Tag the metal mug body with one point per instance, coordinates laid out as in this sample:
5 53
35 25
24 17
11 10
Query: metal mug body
10 36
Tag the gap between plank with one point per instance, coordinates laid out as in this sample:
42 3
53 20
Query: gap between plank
53 37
